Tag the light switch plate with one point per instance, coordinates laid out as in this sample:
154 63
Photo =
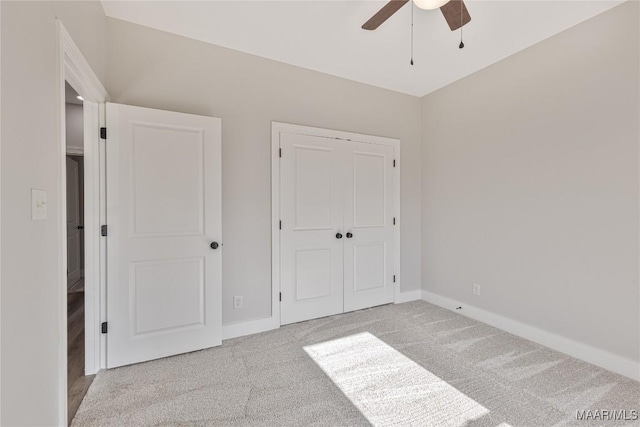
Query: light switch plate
38 205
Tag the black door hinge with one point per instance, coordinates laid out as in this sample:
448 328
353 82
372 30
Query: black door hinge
103 230
394 220
280 224
280 152
394 278
103 327
394 163
280 296
103 133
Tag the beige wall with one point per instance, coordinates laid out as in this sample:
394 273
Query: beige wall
159 70
31 159
530 185
529 175
74 118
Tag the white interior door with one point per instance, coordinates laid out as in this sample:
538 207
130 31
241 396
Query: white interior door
74 223
368 225
311 212
163 213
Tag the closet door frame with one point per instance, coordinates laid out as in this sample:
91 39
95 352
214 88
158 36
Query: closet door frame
278 128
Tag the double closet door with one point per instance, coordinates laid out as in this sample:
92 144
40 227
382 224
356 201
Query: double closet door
337 229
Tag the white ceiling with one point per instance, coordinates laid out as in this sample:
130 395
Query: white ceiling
326 35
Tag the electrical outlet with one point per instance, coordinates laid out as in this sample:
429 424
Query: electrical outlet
237 302
476 289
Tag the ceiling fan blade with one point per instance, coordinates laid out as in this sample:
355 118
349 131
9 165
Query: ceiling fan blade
383 14
455 15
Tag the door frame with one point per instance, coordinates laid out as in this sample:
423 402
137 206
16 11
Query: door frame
74 68
276 129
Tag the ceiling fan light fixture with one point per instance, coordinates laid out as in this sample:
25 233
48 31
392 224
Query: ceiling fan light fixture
430 4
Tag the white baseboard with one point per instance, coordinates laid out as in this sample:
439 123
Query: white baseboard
408 296
251 327
75 151
602 358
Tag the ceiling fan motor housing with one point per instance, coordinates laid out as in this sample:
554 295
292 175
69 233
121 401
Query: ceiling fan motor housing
430 4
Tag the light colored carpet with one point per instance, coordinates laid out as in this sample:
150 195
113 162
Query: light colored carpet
388 388
269 379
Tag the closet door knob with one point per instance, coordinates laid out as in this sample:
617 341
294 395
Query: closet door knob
214 245
349 235
338 236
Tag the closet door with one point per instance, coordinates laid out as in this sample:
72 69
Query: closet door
311 210
368 225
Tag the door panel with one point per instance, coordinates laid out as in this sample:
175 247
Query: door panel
163 211
313 169
311 212
73 255
368 216
153 149
369 266
74 243
312 274
368 189
167 295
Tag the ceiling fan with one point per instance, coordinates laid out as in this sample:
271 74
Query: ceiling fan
455 12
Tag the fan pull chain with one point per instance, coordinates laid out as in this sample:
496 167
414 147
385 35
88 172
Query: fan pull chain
412 33
461 45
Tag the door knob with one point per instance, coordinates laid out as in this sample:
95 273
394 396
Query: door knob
214 245
338 236
80 227
349 235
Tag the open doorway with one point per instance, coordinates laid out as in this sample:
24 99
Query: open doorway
77 382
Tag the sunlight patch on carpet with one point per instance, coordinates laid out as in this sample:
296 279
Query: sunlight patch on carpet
388 388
